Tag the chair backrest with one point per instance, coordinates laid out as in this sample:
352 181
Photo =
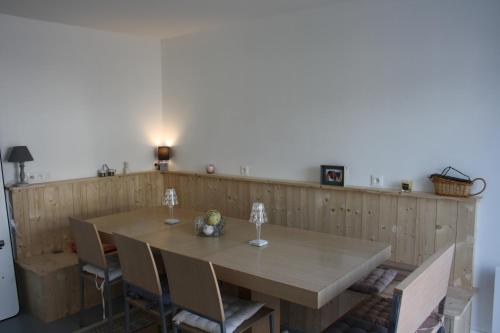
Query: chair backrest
137 264
193 285
88 242
417 296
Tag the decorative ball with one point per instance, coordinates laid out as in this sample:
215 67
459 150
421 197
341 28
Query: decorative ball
208 230
213 217
210 168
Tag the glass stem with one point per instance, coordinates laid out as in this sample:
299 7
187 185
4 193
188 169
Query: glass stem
258 226
171 211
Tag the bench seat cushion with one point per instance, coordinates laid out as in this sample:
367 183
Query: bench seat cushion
374 309
377 310
376 281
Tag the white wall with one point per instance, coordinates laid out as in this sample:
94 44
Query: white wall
388 87
77 97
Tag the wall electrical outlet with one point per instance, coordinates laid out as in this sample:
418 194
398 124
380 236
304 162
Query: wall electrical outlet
245 170
37 177
30 177
377 181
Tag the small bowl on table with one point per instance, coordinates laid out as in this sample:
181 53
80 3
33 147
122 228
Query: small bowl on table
202 228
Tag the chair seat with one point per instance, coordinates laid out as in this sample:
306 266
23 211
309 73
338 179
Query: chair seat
376 281
236 312
115 271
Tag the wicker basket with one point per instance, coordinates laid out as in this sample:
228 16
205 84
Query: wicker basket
454 187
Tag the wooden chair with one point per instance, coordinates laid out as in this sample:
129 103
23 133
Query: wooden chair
194 290
414 301
140 273
94 264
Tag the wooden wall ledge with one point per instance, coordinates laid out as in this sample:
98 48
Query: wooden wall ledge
317 185
261 180
13 188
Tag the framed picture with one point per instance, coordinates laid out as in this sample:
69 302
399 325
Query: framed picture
332 175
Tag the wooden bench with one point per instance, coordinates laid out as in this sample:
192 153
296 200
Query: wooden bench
457 309
49 286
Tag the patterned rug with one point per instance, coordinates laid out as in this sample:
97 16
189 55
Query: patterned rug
140 321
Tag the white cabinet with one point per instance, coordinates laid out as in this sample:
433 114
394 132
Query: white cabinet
9 303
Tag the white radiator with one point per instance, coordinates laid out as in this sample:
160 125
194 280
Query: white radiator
496 303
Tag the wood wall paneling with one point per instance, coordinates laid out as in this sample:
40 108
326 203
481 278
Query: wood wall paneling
464 250
415 224
406 231
388 222
426 228
446 227
353 219
41 211
370 226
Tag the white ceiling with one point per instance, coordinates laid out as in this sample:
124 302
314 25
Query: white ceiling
155 18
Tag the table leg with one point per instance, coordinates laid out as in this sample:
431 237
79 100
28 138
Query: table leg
273 303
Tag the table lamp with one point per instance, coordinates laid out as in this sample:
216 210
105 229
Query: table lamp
170 200
163 158
20 154
258 216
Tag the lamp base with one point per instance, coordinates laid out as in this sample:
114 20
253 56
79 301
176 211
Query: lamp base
258 242
172 221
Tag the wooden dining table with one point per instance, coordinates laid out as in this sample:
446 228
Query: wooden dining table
299 266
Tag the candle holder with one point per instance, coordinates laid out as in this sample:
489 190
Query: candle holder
170 200
258 217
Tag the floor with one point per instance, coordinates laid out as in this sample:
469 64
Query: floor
26 323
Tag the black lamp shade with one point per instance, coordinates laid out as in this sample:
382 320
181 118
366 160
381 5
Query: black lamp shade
163 153
20 154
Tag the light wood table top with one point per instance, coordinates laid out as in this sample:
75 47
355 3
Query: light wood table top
300 266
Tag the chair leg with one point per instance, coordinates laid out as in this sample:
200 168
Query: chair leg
109 299
126 308
162 316
271 322
441 312
174 325
82 299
